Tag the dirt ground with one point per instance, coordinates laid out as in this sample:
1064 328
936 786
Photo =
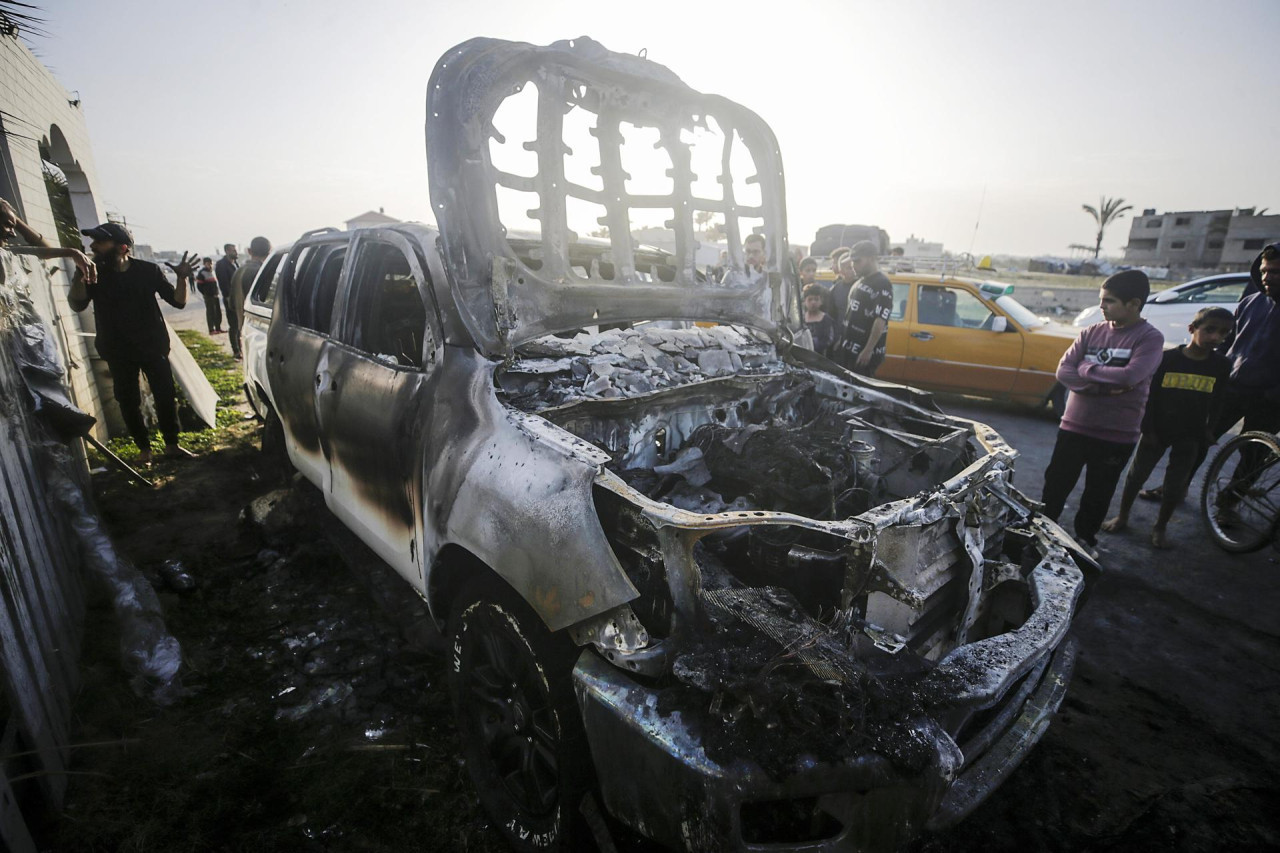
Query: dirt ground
315 717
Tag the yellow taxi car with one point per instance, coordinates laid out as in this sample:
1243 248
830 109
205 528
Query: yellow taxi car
972 337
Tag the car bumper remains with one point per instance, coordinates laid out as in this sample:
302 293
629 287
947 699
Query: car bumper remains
658 776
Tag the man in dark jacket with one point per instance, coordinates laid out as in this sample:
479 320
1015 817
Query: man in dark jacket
838 291
225 270
1253 392
132 335
207 284
1253 348
242 281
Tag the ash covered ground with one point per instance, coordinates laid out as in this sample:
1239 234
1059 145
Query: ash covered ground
316 717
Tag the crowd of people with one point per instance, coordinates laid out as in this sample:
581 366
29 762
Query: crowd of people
1126 391
848 318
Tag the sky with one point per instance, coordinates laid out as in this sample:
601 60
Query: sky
981 125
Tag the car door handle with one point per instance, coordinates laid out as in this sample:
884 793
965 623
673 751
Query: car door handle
922 336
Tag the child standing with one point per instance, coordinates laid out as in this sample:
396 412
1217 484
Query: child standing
1187 393
1108 370
819 323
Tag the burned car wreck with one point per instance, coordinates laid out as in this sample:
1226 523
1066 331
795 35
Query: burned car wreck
692 575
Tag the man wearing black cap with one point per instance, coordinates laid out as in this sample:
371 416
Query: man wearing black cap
132 336
865 331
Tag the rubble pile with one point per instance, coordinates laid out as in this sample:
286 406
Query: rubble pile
621 363
323 660
313 714
808 466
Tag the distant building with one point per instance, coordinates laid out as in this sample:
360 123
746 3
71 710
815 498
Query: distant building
1245 239
1199 239
914 247
370 219
707 253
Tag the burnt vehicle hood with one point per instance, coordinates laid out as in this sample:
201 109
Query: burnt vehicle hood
508 295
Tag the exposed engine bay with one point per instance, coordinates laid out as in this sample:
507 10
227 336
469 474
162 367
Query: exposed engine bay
844 556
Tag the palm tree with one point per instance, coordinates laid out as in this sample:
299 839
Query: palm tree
16 16
1104 214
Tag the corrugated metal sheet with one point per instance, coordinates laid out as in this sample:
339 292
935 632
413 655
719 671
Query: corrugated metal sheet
41 601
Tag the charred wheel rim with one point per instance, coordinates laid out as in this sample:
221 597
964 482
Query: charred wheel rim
506 700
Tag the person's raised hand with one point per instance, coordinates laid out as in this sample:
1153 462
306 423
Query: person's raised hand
186 268
84 265
8 220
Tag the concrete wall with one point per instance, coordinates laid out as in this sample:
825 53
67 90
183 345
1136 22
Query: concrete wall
39 114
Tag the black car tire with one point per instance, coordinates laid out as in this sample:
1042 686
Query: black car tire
274 453
521 735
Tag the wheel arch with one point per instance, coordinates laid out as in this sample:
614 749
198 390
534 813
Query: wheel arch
259 400
452 570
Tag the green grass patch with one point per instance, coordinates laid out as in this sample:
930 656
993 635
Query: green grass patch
223 373
220 368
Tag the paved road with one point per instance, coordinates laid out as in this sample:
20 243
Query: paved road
1167 739
191 317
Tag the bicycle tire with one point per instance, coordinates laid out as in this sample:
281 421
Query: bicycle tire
1243 521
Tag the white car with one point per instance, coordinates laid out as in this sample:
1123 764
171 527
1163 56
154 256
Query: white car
253 332
1171 311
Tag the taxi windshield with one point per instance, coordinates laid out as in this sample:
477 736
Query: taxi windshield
1021 314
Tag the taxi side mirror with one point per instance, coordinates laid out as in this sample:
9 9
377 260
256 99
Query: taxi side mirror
999 324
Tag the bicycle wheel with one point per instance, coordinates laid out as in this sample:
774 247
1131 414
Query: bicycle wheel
1240 499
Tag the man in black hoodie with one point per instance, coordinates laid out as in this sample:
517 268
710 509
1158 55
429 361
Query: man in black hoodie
1253 348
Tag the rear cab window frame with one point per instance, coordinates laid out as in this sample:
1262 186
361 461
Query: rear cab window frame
267 284
300 263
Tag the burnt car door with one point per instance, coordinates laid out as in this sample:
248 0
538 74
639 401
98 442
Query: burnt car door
296 350
381 369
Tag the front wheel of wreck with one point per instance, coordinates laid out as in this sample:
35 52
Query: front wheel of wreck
520 732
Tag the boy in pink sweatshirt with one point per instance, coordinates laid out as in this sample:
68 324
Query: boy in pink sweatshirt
1108 371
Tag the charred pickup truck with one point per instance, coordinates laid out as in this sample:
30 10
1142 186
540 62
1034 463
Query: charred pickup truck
696 580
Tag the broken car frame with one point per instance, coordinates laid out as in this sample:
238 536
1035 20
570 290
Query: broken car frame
691 574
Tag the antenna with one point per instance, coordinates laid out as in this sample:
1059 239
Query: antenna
978 221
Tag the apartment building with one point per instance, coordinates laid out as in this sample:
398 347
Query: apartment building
1199 239
1246 237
